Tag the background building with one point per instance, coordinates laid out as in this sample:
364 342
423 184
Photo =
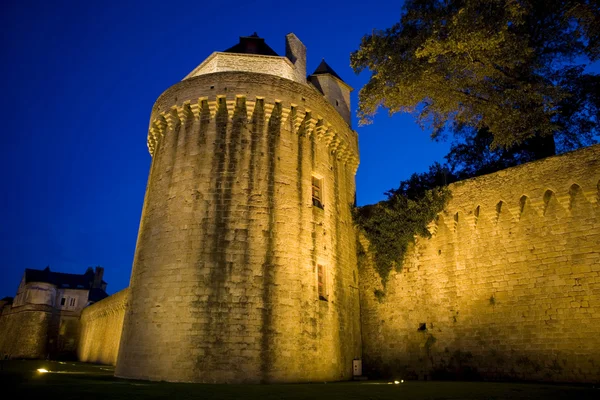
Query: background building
43 318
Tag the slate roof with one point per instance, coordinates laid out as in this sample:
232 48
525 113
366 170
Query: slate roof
324 68
62 280
252 45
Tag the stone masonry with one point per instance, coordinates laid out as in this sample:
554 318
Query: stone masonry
24 333
232 248
100 329
508 287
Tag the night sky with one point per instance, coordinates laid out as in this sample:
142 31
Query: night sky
79 79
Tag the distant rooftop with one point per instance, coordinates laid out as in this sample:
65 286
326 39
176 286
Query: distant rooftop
84 281
252 45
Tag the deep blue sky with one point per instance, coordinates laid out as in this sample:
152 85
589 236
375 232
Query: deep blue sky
78 82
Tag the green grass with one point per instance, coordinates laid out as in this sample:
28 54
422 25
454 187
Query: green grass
87 381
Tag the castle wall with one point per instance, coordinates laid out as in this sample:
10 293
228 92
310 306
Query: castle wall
232 62
35 293
507 287
225 278
24 331
100 329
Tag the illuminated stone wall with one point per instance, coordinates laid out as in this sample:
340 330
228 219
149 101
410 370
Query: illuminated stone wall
101 325
24 331
225 62
35 293
507 287
36 325
224 285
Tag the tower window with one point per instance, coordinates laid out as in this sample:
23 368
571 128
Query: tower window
322 281
72 302
317 192
63 301
337 103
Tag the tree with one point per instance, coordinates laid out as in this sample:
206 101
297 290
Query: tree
472 155
501 71
391 225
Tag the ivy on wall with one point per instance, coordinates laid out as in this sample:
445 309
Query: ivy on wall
392 224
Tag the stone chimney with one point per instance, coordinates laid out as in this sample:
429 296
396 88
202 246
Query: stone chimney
98 278
295 51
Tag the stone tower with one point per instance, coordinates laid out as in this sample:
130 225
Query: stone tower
245 266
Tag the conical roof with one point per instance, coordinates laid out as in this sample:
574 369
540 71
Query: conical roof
324 68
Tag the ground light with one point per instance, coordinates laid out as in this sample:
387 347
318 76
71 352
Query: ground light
42 370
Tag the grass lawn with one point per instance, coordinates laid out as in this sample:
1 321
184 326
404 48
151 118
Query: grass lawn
87 381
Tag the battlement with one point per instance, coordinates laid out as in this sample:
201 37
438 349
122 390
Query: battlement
561 185
506 287
573 200
291 116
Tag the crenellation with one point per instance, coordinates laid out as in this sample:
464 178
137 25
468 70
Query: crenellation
171 118
184 113
523 208
285 113
311 124
520 288
180 114
268 111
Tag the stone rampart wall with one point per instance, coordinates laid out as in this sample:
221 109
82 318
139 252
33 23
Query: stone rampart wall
24 331
100 329
508 287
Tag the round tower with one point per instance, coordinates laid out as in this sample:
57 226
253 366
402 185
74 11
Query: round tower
245 267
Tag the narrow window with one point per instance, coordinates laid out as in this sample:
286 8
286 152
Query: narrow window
317 192
72 302
322 279
63 301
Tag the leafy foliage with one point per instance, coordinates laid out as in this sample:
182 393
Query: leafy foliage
473 156
505 67
361 254
391 225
